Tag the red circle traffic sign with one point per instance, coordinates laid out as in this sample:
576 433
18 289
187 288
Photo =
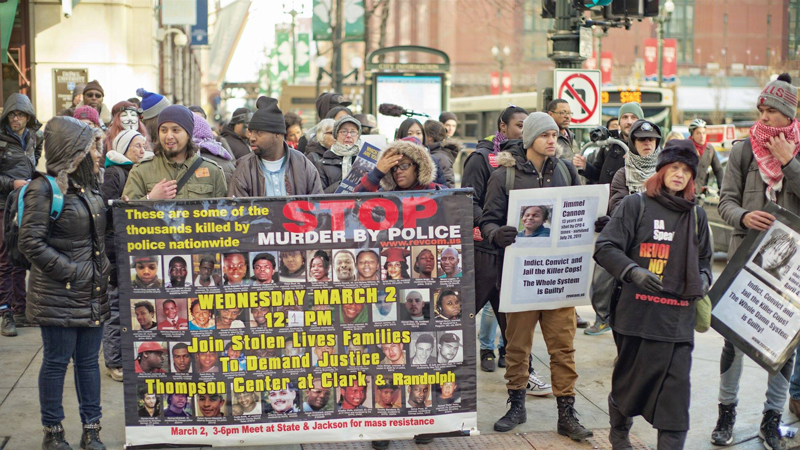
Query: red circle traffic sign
590 110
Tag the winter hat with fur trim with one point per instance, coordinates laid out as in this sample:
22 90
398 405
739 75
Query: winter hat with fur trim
410 147
679 150
781 95
67 141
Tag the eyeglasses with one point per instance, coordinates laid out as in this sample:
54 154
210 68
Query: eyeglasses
345 132
564 113
93 95
403 166
17 115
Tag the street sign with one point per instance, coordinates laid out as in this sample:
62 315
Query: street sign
64 83
581 89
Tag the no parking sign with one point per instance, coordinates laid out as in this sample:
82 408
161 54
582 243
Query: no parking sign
581 89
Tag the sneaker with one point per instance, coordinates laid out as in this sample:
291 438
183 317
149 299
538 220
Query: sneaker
770 431
598 328
380 445
537 387
115 373
723 432
487 360
8 327
581 322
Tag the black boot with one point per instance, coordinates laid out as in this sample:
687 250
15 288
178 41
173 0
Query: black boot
516 412
501 360
568 424
619 436
723 432
8 327
770 431
380 445
487 360
54 438
90 439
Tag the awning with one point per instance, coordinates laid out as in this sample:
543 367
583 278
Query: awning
7 12
706 99
227 31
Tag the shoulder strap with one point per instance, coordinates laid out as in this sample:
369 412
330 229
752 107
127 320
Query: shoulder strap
562 169
56 201
641 210
747 158
185 178
511 172
696 221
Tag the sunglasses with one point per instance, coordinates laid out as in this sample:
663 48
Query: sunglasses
93 95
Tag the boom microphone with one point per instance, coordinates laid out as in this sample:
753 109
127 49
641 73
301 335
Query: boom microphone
388 109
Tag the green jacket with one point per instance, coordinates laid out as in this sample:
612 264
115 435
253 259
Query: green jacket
207 182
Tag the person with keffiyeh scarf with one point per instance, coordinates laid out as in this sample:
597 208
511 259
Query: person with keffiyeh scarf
761 168
644 141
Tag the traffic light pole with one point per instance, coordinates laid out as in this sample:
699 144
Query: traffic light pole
338 41
566 36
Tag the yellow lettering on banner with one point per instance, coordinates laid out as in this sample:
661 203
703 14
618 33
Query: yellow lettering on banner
358 296
254 363
245 300
188 388
260 385
332 379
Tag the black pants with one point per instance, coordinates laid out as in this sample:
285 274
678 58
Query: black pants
486 290
12 280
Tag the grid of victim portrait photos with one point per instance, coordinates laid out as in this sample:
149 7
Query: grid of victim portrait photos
176 339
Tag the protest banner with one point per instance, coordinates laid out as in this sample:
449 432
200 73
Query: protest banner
550 265
297 320
757 298
366 159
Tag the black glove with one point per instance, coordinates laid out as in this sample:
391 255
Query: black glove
644 279
601 223
706 286
505 236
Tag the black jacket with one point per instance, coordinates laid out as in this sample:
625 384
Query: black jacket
330 171
495 206
17 163
445 154
69 269
606 163
239 145
314 151
113 184
477 169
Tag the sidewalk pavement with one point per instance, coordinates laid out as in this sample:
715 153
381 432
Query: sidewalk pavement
20 427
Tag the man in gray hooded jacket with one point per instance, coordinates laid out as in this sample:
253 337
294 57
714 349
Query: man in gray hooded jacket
19 152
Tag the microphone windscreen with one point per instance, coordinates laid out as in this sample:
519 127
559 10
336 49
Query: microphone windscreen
388 109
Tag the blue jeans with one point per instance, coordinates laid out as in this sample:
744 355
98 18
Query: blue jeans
794 385
488 331
61 344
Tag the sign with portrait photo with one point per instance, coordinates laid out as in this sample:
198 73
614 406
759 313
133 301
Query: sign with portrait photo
297 320
757 297
550 265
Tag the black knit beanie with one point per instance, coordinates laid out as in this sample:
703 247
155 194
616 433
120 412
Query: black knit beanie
268 117
679 150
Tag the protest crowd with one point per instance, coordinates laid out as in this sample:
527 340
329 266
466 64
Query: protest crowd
146 149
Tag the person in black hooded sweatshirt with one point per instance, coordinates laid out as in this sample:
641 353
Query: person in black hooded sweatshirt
663 230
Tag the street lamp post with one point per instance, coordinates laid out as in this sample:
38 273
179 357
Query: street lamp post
664 15
501 56
294 12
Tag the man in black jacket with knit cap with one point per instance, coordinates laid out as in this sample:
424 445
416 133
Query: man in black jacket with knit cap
235 132
272 169
535 166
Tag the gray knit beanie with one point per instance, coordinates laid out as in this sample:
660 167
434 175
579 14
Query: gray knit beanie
633 108
534 125
781 95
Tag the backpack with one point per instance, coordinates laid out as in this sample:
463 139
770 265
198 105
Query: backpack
561 167
12 219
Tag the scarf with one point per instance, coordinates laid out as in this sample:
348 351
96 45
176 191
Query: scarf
499 138
699 147
768 165
682 273
639 168
347 154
